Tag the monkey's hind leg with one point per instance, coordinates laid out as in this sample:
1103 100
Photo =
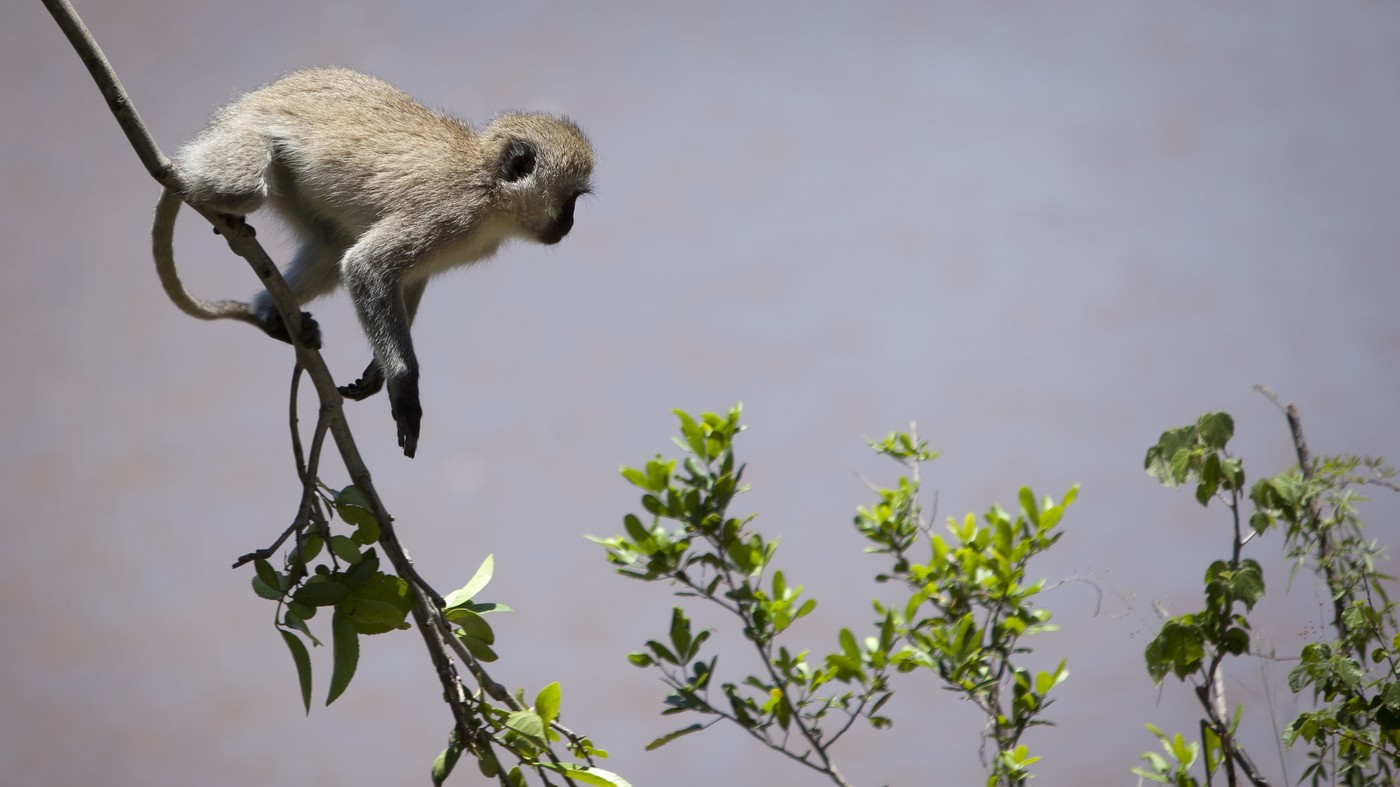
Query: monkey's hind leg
312 273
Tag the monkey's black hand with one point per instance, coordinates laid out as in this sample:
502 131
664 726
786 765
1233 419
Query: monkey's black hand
368 385
408 412
310 330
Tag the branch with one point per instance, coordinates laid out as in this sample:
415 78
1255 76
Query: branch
427 603
1324 541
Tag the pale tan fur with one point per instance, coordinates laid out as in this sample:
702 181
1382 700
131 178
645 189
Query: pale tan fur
384 193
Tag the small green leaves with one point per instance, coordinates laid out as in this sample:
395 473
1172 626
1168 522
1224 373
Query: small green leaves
1175 768
686 536
904 448
1197 453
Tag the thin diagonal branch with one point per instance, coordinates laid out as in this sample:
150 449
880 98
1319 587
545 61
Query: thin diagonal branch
427 603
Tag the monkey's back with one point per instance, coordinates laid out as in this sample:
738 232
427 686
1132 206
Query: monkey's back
339 145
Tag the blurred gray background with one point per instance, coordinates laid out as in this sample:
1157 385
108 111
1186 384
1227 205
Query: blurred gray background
1045 232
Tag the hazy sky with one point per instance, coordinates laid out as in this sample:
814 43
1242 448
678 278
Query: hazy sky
1045 232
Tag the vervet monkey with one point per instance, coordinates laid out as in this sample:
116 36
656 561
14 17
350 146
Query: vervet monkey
383 194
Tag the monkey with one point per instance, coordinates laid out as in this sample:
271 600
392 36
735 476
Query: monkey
382 193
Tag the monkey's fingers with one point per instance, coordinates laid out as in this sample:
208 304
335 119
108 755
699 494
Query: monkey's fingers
408 412
408 442
368 385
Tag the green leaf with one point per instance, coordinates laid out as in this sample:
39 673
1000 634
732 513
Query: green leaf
1235 641
1045 681
345 548
479 650
596 777
1216 429
303 662
848 644
1162 463
529 724
381 604
667 738
264 591
267 574
364 568
1179 648
680 635
1247 582
321 594
446 761
636 531
636 478
478 581
354 507
1028 505
311 547
547 702
472 624
345 646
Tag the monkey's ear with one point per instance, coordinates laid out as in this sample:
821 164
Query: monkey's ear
518 160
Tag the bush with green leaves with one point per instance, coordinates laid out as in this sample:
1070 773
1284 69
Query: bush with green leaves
964 613
1353 733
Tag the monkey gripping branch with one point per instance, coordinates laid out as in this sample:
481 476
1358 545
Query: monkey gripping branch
341 571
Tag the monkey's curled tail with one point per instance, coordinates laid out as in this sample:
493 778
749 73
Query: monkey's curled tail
163 247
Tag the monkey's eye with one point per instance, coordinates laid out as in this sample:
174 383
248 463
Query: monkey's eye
518 161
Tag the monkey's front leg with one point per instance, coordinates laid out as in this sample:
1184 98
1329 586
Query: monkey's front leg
373 378
371 278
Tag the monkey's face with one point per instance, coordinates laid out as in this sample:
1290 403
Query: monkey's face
543 167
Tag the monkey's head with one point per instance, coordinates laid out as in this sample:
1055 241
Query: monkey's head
543 165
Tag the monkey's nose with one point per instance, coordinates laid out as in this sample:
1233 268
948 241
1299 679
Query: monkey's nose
557 231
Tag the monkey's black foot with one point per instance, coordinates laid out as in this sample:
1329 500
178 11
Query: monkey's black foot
310 330
240 224
368 385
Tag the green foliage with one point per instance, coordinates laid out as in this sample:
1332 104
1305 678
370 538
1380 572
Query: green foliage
525 731
341 571
1354 734
968 606
1175 767
710 554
